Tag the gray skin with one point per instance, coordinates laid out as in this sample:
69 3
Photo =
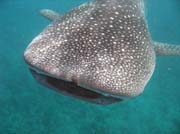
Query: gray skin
101 51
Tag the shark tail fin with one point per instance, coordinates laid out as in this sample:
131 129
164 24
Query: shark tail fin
50 14
163 49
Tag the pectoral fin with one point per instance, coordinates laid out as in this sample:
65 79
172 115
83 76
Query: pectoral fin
163 49
50 14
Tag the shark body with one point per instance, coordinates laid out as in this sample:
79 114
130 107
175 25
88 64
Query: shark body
101 51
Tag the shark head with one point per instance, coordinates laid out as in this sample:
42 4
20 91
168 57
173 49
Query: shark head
100 52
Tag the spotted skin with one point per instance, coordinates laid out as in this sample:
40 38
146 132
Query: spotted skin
103 46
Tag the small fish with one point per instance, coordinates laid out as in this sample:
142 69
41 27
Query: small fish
101 51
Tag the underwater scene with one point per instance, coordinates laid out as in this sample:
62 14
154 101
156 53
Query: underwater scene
27 107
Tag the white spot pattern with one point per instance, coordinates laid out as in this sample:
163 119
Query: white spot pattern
104 45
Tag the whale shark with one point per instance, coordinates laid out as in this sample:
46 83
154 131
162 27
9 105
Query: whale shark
101 51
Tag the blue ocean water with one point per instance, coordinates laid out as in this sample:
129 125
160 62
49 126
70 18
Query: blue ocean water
29 108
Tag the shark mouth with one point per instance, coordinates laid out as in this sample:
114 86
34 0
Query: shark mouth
71 88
